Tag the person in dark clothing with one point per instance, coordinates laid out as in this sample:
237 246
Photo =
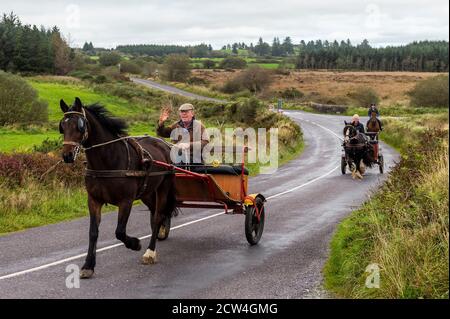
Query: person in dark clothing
357 124
373 108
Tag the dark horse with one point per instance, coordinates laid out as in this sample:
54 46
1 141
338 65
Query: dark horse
358 152
108 150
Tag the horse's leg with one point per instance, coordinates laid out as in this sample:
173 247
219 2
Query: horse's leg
362 167
124 212
158 216
150 254
358 167
95 208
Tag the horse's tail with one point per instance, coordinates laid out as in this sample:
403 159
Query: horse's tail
171 209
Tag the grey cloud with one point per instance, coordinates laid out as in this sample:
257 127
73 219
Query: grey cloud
109 23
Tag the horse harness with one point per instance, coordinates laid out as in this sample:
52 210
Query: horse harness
146 158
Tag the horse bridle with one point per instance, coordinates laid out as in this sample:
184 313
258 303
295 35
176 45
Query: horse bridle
82 124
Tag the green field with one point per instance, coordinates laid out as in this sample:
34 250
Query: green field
53 92
197 62
23 140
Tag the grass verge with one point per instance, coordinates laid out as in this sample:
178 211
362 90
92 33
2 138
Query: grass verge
404 228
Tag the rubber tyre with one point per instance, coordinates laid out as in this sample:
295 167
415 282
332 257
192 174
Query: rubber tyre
381 163
253 229
343 165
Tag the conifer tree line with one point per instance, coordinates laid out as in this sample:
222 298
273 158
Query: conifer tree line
427 56
26 48
196 51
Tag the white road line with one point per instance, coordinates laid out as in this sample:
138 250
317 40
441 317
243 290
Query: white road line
62 261
303 185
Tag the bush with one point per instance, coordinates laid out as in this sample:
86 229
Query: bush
16 168
130 67
113 72
149 68
232 86
19 102
209 64
363 96
109 58
255 79
100 79
48 145
244 111
291 93
176 67
195 80
432 92
233 63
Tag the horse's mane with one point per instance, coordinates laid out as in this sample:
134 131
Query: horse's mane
115 125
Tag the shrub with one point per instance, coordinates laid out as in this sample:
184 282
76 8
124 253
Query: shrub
176 67
149 68
48 145
109 58
233 63
77 74
244 111
255 79
130 67
432 92
291 93
15 168
19 102
100 79
363 96
195 80
232 86
114 73
209 64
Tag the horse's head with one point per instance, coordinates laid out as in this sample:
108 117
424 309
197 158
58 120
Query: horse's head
74 127
349 131
373 114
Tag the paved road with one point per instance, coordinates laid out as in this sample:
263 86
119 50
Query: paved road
207 257
173 90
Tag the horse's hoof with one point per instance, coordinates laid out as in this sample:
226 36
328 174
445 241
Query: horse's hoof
149 257
135 244
162 232
138 246
86 273
358 175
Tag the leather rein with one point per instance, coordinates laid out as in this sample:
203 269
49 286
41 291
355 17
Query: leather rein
117 173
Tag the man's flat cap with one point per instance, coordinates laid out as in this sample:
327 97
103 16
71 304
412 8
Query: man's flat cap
186 107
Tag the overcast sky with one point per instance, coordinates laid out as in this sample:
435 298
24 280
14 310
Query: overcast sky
113 22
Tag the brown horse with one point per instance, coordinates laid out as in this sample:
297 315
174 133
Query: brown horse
373 124
109 151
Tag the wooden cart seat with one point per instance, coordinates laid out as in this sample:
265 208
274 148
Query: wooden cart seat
222 170
224 188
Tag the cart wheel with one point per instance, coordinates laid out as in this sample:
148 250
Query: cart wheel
164 230
381 163
343 165
253 228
